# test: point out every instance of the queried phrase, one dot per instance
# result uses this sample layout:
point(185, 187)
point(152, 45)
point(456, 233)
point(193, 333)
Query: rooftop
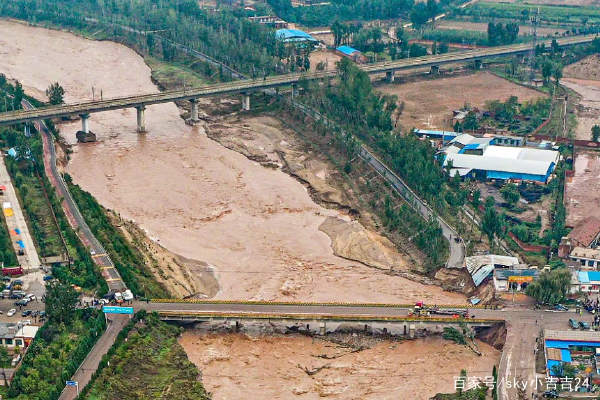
point(347, 50)
point(522, 153)
point(481, 266)
point(501, 164)
point(583, 336)
point(586, 231)
point(27, 331)
point(584, 252)
point(292, 35)
point(504, 274)
point(588, 276)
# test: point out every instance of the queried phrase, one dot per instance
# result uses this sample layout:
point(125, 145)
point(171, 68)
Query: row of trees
point(227, 36)
point(499, 34)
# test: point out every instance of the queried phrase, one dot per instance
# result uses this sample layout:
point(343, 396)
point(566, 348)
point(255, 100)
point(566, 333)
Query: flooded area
point(581, 197)
point(314, 368)
point(584, 79)
point(257, 227)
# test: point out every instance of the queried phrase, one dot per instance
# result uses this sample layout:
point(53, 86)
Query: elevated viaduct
point(84, 109)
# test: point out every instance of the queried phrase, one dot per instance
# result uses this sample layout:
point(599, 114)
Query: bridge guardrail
point(307, 303)
point(351, 317)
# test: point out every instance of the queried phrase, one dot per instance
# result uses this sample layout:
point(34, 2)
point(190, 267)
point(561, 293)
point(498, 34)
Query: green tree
point(61, 300)
point(510, 194)
point(595, 133)
point(557, 73)
point(5, 360)
point(56, 94)
point(547, 69)
point(551, 287)
point(476, 198)
point(18, 94)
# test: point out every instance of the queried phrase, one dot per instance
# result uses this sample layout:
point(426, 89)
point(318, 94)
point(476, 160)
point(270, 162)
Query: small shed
point(355, 55)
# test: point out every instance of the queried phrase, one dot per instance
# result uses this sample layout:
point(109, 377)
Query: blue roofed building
point(585, 281)
point(293, 35)
point(480, 158)
point(352, 53)
point(580, 348)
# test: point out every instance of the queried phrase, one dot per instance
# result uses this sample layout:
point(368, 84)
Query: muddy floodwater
point(239, 366)
point(258, 228)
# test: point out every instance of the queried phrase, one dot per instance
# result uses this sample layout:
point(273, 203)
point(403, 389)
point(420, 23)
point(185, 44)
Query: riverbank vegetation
point(55, 354)
point(127, 259)
point(146, 362)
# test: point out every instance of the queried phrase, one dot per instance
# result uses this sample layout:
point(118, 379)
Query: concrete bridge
point(84, 109)
point(319, 318)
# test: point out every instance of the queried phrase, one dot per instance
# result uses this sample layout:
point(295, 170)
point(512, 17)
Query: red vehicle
point(12, 271)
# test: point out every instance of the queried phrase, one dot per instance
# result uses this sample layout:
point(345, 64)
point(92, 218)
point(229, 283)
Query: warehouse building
point(293, 35)
point(480, 158)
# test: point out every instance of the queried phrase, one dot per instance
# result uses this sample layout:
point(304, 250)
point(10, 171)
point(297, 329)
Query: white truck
point(127, 295)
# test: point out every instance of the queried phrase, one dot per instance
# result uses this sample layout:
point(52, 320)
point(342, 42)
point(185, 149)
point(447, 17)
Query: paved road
point(457, 249)
point(30, 260)
point(91, 362)
point(109, 272)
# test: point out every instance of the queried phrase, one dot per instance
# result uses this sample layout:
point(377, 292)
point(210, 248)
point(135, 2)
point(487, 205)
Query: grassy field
point(39, 212)
point(558, 14)
point(149, 365)
point(170, 75)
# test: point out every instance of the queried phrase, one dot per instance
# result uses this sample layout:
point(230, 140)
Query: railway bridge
point(140, 101)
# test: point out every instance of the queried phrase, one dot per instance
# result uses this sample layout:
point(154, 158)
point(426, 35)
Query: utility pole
point(534, 23)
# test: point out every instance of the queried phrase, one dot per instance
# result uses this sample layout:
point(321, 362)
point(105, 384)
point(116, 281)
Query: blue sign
point(117, 310)
point(71, 383)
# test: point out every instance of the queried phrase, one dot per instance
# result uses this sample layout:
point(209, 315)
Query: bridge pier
point(141, 118)
point(390, 76)
point(246, 101)
point(294, 90)
point(435, 70)
point(477, 64)
point(521, 58)
point(85, 123)
point(194, 113)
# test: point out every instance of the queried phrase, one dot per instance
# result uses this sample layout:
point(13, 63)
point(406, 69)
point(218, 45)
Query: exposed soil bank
point(584, 78)
point(239, 366)
point(258, 227)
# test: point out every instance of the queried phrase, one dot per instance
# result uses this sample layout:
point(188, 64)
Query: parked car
point(42, 314)
point(92, 252)
point(6, 279)
point(22, 302)
point(584, 325)
point(31, 297)
point(560, 307)
point(551, 394)
point(48, 278)
point(103, 302)
point(25, 322)
point(11, 312)
point(573, 324)
point(26, 313)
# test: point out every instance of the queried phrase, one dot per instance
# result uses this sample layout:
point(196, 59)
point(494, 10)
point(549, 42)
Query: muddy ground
point(581, 197)
point(583, 78)
point(242, 366)
point(429, 103)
